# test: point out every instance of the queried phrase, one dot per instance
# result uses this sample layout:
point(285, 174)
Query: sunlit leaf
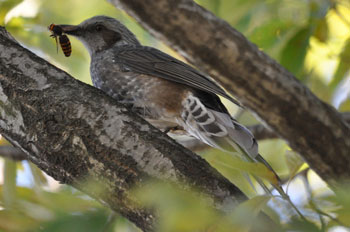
point(246, 213)
point(274, 150)
point(38, 212)
point(343, 66)
point(342, 200)
point(319, 87)
point(5, 7)
point(56, 201)
point(38, 175)
point(343, 217)
point(15, 222)
point(4, 142)
point(257, 169)
point(294, 163)
point(237, 170)
point(238, 178)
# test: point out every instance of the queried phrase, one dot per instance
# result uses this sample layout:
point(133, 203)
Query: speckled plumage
point(156, 100)
point(160, 88)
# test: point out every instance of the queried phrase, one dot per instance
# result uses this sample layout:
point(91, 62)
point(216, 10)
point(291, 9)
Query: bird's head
point(100, 33)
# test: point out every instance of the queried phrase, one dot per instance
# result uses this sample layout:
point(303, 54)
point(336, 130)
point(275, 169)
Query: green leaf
point(9, 187)
point(243, 11)
point(294, 163)
point(213, 6)
point(321, 32)
point(294, 52)
point(319, 87)
point(256, 169)
point(345, 106)
point(245, 213)
point(4, 142)
point(57, 201)
point(15, 222)
point(179, 210)
point(270, 35)
point(301, 225)
point(87, 222)
point(339, 204)
point(215, 158)
point(236, 170)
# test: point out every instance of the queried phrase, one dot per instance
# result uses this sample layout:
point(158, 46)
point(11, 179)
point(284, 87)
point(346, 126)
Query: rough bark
point(260, 132)
point(311, 127)
point(76, 133)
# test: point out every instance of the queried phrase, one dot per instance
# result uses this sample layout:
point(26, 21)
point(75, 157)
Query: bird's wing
point(219, 130)
point(150, 61)
point(215, 128)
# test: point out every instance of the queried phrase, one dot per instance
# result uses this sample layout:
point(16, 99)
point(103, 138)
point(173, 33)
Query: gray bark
point(311, 127)
point(76, 133)
point(260, 133)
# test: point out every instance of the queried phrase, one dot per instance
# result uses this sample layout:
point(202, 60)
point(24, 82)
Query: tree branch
point(311, 127)
point(260, 132)
point(76, 133)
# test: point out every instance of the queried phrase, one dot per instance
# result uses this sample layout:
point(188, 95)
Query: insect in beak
point(63, 39)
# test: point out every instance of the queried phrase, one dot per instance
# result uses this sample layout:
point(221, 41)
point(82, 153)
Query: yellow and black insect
point(62, 38)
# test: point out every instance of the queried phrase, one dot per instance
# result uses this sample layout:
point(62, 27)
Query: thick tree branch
point(76, 133)
point(260, 132)
point(311, 127)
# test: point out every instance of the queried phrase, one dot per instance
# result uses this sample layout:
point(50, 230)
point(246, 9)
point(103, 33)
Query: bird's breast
point(156, 98)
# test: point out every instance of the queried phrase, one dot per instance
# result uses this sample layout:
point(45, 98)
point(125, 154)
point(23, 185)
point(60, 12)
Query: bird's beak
point(71, 30)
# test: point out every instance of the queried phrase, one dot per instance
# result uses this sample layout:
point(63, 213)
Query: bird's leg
point(172, 128)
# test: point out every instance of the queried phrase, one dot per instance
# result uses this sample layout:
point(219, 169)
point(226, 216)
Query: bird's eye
point(98, 28)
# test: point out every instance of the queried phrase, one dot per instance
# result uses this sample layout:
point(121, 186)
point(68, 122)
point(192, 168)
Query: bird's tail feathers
point(221, 131)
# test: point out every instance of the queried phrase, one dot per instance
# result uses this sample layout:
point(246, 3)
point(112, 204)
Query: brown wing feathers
point(147, 60)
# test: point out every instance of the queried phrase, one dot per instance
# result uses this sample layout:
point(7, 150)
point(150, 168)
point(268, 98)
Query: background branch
point(260, 132)
point(311, 127)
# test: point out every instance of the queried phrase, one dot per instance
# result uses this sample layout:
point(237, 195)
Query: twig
point(12, 153)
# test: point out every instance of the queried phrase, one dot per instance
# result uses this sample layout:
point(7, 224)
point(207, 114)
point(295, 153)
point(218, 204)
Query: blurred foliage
point(188, 211)
point(310, 38)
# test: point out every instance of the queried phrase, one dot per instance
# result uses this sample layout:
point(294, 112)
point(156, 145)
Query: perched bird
point(165, 91)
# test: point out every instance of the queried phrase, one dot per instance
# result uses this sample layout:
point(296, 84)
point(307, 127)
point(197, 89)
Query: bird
point(165, 91)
